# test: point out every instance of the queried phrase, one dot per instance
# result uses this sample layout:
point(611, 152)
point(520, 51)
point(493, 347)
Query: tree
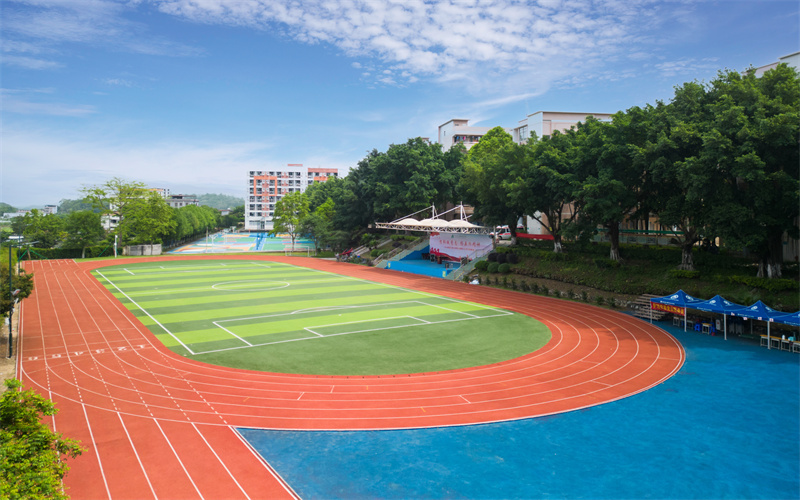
point(289, 213)
point(121, 197)
point(611, 171)
point(752, 138)
point(33, 458)
point(22, 282)
point(83, 229)
point(46, 230)
point(488, 168)
point(546, 185)
point(147, 219)
point(405, 179)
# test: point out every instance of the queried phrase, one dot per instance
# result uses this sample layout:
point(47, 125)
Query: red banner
point(668, 308)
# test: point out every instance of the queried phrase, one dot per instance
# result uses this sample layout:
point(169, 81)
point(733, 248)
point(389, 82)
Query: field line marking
point(238, 337)
point(419, 319)
point(147, 313)
point(129, 271)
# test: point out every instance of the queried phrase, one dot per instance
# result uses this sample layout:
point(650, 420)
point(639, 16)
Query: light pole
point(12, 295)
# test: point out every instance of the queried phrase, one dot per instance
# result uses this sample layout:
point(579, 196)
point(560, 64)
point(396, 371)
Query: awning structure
point(435, 223)
point(676, 303)
point(719, 305)
point(680, 301)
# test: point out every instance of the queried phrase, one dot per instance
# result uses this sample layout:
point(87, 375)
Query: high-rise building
point(266, 187)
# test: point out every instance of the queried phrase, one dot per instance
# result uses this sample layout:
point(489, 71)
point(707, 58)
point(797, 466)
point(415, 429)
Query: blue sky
point(192, 94)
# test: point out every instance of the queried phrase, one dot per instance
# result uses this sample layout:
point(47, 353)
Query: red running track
point(158, 425)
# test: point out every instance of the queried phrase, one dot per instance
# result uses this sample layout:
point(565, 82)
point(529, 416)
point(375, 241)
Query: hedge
point(492, 267)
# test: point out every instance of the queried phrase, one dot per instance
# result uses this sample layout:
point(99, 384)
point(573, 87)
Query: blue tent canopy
point(789, 318)
point(759, 311)
point(679, 298)
point(717, 304)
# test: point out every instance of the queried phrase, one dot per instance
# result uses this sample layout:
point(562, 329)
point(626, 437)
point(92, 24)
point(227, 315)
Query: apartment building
point(182, 200)
point(266, 188)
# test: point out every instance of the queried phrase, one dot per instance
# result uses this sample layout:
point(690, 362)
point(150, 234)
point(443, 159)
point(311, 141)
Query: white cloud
point(448, 39)
point(35, 26)
point(29, 62)
point(13, 104)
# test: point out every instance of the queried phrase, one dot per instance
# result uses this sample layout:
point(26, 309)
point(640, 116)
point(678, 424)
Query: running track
point(158, 425)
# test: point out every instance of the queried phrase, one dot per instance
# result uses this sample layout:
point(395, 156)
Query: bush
point(599, 300)
point(505, 281)
point(492, 257)
point(612, 302)
point(377, 252)
point(501, 258)
point(770, 284)
point(512, 258)
point(534, 288)
point(683, 274)
point(504, 268)
point(606, 263)
point(481, 265)
point(492, 267)
point(584, 296)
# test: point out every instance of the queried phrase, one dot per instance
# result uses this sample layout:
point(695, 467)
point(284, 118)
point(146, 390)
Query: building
point(163, 192)
point(266, 188)
point(182, 200)
point(458, 131)
point(49, 209)
point(792, 60)
point(543, 123)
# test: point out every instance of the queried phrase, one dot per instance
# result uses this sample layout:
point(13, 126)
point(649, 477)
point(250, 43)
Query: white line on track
point(147, 313)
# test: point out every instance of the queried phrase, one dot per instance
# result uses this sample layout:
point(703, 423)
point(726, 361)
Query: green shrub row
point(770, 284)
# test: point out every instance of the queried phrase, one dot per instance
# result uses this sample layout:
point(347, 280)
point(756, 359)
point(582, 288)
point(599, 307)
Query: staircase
point(641, 308)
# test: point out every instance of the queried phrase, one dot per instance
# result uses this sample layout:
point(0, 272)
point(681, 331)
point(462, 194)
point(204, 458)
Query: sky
point(191, 95)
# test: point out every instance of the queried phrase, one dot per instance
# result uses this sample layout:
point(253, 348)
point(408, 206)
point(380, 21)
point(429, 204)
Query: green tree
point(488, 168)
point(289, 213)
point(610, 168)
point(148, 219)
point(121, 197)
point(546, 185)
point(22, 282)
point(6, 208)
point(83, 229)
point(46, 230)
point(752, 138)
point(33, 459)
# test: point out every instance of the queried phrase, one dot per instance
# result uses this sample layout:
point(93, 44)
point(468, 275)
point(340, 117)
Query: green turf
point(268, 316)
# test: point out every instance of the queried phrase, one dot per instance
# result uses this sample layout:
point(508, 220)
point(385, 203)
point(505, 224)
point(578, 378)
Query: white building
point(182, 200)
point(458, 131)
point(792, 60)
point(543, 123)
point(266, 187)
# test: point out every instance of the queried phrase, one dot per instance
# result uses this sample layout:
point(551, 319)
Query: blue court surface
point(726, 426)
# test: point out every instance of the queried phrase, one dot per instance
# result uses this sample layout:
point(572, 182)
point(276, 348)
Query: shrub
point(571, 294)
point(683, 274)
point(501, 258)
point(612, 302)
point(492, 257)
point(377, 252)
point(599, 300)
point(492, 267)
point(505, 281)
point(481, 265)
point(534, 287)
point(524, 286)
point(504, 268)
point(584, 296)
point(770, 284)
point(606, 263)
point(512, 258)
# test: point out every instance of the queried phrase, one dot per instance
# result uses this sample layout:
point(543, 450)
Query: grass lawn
point(269, 316)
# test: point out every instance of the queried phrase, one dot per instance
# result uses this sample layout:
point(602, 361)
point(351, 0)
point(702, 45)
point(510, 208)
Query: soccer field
point(270, 316)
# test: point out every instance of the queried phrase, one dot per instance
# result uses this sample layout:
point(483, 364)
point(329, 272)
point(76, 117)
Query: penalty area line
point(147, 313)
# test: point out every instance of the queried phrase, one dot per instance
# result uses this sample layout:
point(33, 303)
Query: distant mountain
point(219, 201)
